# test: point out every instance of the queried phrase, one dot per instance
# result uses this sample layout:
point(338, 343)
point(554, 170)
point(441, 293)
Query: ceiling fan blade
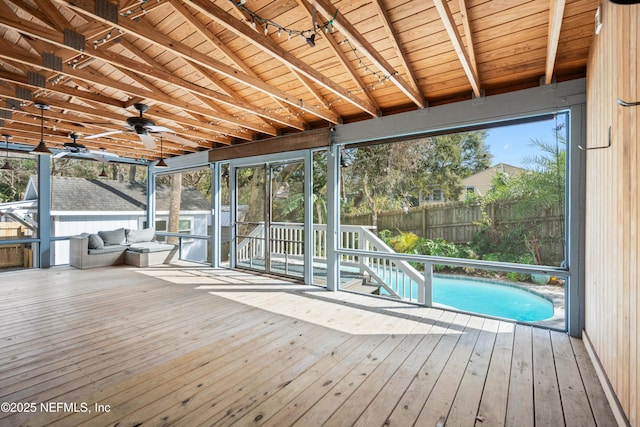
point(178, 139)
point(156, 128)
point(61, 154)
point(148, 141)
point(100, 135)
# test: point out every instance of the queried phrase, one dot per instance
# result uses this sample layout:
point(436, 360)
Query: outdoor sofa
point(121, 246)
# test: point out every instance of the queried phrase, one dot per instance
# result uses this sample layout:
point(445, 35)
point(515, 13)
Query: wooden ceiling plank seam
point(450, 26)
point(468, 35)
point(341, 23)
point(395, 40)
point(556, 12)
point(112, 58)
point(270, 47)
point(147, 33)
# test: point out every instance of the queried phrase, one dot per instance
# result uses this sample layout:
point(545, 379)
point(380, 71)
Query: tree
point(397, 175)
point(173, 226)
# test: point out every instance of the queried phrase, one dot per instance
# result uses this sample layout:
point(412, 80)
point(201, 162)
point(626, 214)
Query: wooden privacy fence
point(458, 222)
point(14, 255)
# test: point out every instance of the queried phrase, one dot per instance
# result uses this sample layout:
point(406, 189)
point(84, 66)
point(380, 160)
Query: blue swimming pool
point(490, 298)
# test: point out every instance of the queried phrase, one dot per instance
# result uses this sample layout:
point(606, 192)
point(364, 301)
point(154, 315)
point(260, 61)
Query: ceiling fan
point(145, 129)
point(75, 148)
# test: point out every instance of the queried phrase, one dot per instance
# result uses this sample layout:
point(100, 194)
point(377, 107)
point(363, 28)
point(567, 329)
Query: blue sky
point(510, 144)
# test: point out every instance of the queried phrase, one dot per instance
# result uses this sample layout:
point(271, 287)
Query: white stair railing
point(398, 278)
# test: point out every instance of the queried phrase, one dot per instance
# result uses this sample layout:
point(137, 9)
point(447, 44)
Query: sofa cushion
point(146, 247)
point(95, 241)
point(144, 235)
point(108, 249)
point(113, 237)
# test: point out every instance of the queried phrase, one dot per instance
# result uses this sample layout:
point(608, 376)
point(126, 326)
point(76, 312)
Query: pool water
point(491, 298)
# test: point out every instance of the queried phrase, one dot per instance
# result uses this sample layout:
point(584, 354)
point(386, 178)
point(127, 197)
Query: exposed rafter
point(136, 66)
point(367, 50)
point(393, 38)
point(272, 48)
point(217, 43)
point(339, 54)
point(7, 52)
point(556, 12)
point(456, 40)
point(468, 35)
point(144, 31)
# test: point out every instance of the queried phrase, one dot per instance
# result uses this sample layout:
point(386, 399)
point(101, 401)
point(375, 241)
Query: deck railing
point(398, 278)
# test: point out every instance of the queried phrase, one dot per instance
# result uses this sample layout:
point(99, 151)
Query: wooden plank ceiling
point(223, 72)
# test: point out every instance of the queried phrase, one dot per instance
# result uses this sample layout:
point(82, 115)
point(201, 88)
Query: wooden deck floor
point(196, 346)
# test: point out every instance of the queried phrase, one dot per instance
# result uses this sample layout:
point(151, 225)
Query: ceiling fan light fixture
point(41, 148)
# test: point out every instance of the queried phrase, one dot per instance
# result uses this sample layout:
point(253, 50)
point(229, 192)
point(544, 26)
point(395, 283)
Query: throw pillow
point(113, 237)
point(95, 241)
point(144, 235)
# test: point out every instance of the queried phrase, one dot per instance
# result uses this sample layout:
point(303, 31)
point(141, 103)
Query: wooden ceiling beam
point(306, 82)
point(7, 53)
point(214, 41)
point(344, 61)
point(556, 12)
point(146, 32)
point(112, 58)
point(468, 35)
point(152, 62)
point(450, 26)
point(363, 46)
point(39, 13)
point(68, 115)
point(267, 45)
point(395, 41)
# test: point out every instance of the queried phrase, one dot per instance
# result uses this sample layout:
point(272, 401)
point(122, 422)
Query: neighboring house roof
point(83, 194)
point(481, 182)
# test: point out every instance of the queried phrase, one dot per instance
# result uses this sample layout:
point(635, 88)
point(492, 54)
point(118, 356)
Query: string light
point(136, 9)
point(306, 34)
point(106, 38)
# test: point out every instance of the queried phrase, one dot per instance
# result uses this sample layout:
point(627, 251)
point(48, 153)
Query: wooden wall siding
point(612, 209)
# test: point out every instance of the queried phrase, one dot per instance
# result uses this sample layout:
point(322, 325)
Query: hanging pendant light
point(103, 174)
point(41, 149)
point(161, 163)
point(6, 166)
